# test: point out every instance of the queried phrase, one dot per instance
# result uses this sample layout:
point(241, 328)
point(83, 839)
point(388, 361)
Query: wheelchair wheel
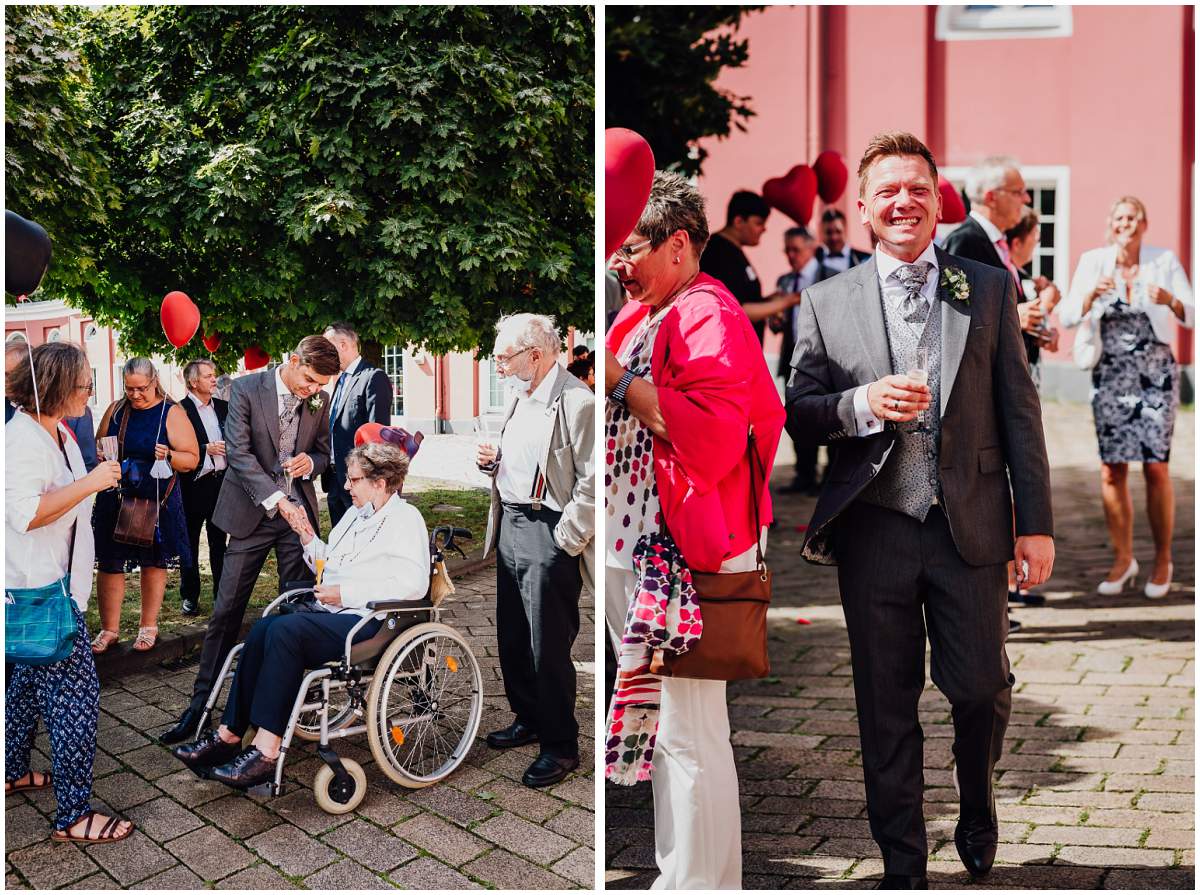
point(335, 799)
point(341, 713)
point(424, 705)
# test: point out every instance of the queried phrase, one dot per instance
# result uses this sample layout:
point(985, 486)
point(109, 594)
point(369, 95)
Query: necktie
point(289, 424)
point(1002, 249)
point(912, 277)
point(333, 410)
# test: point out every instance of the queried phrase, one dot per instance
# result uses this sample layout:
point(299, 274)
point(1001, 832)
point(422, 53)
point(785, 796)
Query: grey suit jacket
point(993, 451)
point(252, 453)
point(569, 465)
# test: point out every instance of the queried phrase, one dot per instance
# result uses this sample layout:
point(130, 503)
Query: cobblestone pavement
point(480, 828)
point(1096, 789)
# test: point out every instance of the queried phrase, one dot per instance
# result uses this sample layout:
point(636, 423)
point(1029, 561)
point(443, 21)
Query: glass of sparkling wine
point(110, 446)
point(320, 564)
point(486, 432)
point(287, 479)
point(919, 373)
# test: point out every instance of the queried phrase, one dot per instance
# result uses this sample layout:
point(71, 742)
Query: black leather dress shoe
point(184, 729)
point(249, 769)
point(207, 752)
point(547, 770)
point(516, 734)
point(976, 844)
point(897, 881)
point(190, 607)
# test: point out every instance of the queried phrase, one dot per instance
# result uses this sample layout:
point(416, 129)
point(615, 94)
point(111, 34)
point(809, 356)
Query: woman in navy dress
point(158, 429)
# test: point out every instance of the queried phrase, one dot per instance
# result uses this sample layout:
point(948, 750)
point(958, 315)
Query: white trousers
point(697, 815)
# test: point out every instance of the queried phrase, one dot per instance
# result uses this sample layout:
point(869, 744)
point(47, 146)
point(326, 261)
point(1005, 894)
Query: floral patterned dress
point(1135, 388)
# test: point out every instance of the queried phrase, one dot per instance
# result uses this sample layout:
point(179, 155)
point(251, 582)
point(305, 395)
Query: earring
point(676, 259)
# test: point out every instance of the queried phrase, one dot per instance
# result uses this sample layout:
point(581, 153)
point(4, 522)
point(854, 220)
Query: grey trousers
point(537, 620)
point(897, 575)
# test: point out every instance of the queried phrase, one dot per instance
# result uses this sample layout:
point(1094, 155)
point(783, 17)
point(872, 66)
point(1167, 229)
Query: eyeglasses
point(626, 253)
point(90, 388)
point(505, 359)
point(137, 389)
point(1024, 191)
point(355, 479)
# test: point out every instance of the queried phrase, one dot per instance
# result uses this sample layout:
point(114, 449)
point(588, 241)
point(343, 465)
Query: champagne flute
point(110, 446)
point(287, 477)
point(484, 435)
point(320, 564)
point(918, 372)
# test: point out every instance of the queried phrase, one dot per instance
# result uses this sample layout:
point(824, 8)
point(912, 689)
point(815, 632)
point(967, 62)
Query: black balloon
point(26, 254)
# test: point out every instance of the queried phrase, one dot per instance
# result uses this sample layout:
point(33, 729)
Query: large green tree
point(660, 66)
point(416, 170)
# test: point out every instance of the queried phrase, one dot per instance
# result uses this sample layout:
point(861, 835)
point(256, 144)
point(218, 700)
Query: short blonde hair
point(890, 144)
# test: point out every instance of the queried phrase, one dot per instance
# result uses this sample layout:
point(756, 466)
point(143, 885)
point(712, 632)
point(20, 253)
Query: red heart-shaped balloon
point(180, 318)
point(793, 194)
point(255, 358)
point(953, 210)
point(832, 175)
point(212, 342)
point(368, 433)
point(628, 175)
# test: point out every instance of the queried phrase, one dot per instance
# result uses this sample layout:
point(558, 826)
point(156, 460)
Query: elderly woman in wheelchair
point(377, 560)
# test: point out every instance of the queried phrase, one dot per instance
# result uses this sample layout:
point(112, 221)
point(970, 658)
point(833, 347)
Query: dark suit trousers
point(898, 575)
point(244, 560)
point(199, 500)
point(537, 620)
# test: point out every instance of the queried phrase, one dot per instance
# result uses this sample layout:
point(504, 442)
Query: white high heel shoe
point(1158, 591)
point(1112, 588)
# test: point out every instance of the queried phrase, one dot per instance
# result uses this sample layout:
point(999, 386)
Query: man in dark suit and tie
point(278, 421)
point(363, 394)
point(834, 252)
point(206, 413)
point(917, 508)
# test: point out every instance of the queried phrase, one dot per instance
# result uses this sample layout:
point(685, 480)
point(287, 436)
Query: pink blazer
point(713, 384)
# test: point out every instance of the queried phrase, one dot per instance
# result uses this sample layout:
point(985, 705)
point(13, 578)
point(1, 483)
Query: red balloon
point(832, 175)
point(255, 358)
point(628, 174)
point(180, 318)
point(953, 210)
point(793, 194)
point(368, 433)
point(212, 342)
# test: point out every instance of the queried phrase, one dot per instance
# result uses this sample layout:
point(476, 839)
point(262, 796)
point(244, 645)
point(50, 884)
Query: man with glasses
point(207, 414)
point(277, 440)
point(541, 525)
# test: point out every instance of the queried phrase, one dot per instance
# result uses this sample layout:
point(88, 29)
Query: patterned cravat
point(1006, 257)
point(912, 277)
point(289, 423)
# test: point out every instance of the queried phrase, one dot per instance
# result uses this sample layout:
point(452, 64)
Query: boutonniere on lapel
point(314, 403)
point(954, 281)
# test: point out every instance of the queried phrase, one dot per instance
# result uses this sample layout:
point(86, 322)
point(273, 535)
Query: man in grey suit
point(541, 525)
point(363, 394)
point(917, 506)
point(277, 423)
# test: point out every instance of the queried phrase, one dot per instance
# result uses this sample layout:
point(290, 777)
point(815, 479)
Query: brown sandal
point(17, 786)
point(107, 832)
point(146, 639)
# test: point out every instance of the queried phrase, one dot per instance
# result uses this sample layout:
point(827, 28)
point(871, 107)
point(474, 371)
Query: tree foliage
point(660, 65)
point(416, 170)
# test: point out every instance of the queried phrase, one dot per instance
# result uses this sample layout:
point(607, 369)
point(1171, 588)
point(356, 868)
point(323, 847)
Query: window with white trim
point(95, 386)
point(15, 337)
point(995, 22)
point(393, 365)
point(495, 387)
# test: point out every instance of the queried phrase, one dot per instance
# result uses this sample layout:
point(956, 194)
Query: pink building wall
point(1114, 103)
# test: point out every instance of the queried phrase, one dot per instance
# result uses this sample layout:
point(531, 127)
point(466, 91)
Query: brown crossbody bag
point(136, 516)
point(733, 608)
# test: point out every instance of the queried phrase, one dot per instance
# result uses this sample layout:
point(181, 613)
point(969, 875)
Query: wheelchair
point(414, 688)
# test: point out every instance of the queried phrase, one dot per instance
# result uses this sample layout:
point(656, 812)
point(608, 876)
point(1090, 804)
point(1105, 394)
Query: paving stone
point(1151, 878)
point(345, 875)
point(575, 824)
point(189, 790)
point(52, 865)
point(576, 789)
point(523, 838)
point(210, 853)
point(260, 876)
point(92, 883)
point(426, 874)
point(23, 826)
point(163, 819)
point(132, 859)
point(384, 806)
point(178, 878)
point(505, 871)
point(291, 850)
point(1106, 836)
point(532, 804)
point(579, 866)
point(452, 804)
point(300, 808)
point(151, 761)
point(441, 839)
point(1116, 857)
point(124, 790)
point(372, 847)
point(238, 816)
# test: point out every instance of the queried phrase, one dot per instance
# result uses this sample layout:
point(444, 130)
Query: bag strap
point(752, 454)
point(71, 547)
point(123, 409)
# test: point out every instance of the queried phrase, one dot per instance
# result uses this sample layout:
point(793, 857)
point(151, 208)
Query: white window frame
point(1003, 22)
point(397, 356)
point(487, 369)
point(1057, 177)
point(16, 336)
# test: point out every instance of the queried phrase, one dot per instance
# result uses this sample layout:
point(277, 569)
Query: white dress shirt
point(802, 280)
point(35, 467)
point(893, 294)
point(523, 445)
point(282, 391)
point(992, 231)
point(212, 428)
point(343, 378)
point(375, 555)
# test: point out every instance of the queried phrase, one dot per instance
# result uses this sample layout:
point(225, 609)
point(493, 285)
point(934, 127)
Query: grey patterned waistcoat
point(909, 479)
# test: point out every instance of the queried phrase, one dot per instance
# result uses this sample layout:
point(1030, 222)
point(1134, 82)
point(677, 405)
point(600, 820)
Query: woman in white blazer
point(1131, 296)
point(378, 551)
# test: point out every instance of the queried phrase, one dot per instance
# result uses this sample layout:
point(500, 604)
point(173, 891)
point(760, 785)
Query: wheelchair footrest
point(266, 789)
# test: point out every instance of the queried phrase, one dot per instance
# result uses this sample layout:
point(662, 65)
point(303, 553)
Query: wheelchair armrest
point(287, 596)
point(422, 605)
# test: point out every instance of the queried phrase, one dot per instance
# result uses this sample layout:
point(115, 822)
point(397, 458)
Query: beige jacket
point(570, 468)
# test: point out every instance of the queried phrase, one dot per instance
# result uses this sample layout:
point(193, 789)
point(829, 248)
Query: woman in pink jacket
point(685, 380)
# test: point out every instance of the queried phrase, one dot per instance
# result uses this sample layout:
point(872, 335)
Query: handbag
point(1088, 344)
point(733, 609)
point(137, 516)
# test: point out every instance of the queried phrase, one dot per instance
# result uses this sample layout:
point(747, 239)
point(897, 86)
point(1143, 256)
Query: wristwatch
point(618, 393)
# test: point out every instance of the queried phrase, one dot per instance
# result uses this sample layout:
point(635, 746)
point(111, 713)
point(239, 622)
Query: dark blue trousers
point(67, 696)
point(278, 651)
